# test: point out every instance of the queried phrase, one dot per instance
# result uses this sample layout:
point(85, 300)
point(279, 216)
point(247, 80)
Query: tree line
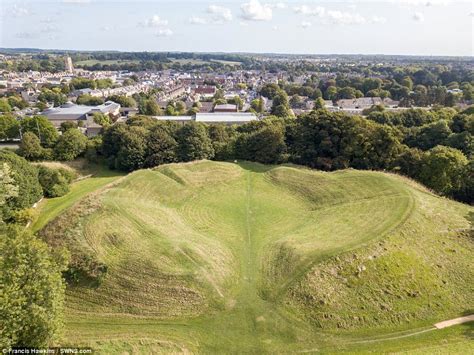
point(437, 150)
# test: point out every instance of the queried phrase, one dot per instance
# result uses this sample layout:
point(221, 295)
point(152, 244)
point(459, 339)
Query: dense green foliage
point(70, 145)
point(194, 142)
point(54, 182)
point(408, 143)
point(9, 127)
point(43, 129)
point(89, 100)
point(25, 177)
point(31, 293)
point(31, 149)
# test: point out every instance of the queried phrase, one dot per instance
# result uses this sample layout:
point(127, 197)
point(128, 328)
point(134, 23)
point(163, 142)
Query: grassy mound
point(209, 256)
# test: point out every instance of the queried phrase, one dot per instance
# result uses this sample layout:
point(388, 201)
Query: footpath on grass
point(387, 337)
point(455, 321)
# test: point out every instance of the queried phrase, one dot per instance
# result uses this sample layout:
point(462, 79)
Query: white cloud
point(275, 28)
point(279, 5)
point(195, 20)
point(26, 35)
point(255, 11)
point(243, 23)
point(155, 21)
point(49, 28)
point(418, 17)
point(19, 11)
point(471, 14)
point(378, 19)
point(426, 3)
point(306, 24)
point(164, 32)
point(77, 1)
point(345, 18)
point(220, 14)
point(310, 11)
point(337, 17)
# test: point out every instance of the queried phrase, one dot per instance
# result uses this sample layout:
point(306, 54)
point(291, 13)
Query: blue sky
point(418, 27)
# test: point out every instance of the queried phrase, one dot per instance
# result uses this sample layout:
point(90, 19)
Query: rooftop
point(229, 117)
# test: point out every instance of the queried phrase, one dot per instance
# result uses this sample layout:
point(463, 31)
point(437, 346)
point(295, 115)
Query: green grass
point(226, 62)
point(50, 208)
point(244, 258)
point(185, 61)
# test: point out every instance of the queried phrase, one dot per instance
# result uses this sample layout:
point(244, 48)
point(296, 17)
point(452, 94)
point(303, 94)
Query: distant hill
point(219, 257)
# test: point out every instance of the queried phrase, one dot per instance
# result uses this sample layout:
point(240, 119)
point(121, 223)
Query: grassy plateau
point(212, 257)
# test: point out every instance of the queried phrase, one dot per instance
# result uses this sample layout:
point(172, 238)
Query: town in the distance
point(235, 203)
point(72, 88)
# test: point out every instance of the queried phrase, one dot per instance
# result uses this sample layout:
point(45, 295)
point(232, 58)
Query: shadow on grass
point(254, 167)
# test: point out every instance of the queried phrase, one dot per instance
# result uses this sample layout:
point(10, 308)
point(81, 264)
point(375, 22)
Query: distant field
point(227, 62)
point(189, 61)
point(104, 62)
point(216, 257)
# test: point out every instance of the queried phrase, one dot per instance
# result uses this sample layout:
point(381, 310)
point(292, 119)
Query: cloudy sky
point(421, 27)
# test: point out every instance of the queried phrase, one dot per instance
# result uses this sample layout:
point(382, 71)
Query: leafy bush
point(54, 182)
point(25, 177)
point(70, 145)
point(32, 297)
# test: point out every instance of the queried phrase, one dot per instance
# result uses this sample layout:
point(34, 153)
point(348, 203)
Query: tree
point(54, 96)
point(170, 109)
point(319, 104)
point(348, 93)
point(5, 105)
point(101, 119)
point(371, 84)
point(331, 93)
point(257, 105)
point(31, 149)
point(282, 111)
point(124, 101)
point(180, 107)
point(194, 142)
point(132, 152)
point(32, 295)
point(236, 100)
point(25, 176)
point(265, 145)
point(463, 141)
point(442, 169)
point(54, 182)
point(8, 188)
point(407, 82)
point(82, 83)
point(113, 140)
point(430, 135)
point(270, 90)
point(409, 162)
point(281, 105)
point(9, 127)
point(151, 108)
point(67, 125)
point(89, 100)
point(161, 147)
point(70, 145)
point(222, 138)
point(296, 101)
point(43, 129)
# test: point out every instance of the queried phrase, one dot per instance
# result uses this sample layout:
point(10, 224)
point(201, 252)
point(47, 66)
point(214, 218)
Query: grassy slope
point(50, 208)
point(220, 257)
